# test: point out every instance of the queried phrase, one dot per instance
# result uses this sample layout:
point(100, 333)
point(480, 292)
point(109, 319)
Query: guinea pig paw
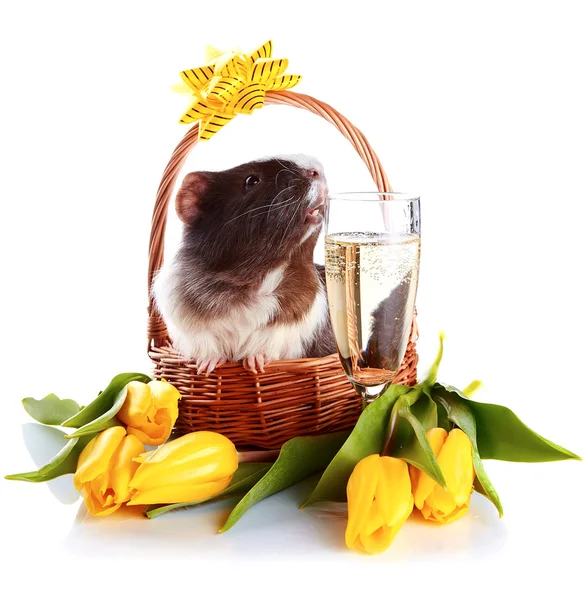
point(255, 363)
point(208, 366)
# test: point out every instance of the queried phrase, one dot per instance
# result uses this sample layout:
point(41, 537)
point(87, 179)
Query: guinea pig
point(243, 285)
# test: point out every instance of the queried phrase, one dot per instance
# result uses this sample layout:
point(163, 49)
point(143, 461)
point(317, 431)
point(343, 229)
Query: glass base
point(370, 392)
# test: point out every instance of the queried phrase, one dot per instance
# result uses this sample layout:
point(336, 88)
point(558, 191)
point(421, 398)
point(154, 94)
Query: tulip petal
point(166, 396)
point(94, 505)
point(95, 457)
point(393, 491)
point(186, 446)
point(382, 538)
point(360, 491)
point(375, 519)
point(455, 461)
point(150, 411)
point(431, 512)
point(441, 503)
point(151, 434)
point(379, 541)
point(104, 471)
point(179, 493)
point(425, 484)
point(123, 467)
point(459, 512)
point(144, 456)
point(211, 466)
point(414, 475)
point(100, 484)
point(186, 463)
point(138, 405)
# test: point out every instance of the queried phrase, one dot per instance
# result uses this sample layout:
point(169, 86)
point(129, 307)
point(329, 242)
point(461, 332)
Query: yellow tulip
point(104, 469)
point(454, 456)
point(193, 467)
point(379, 502)
point(150, 411)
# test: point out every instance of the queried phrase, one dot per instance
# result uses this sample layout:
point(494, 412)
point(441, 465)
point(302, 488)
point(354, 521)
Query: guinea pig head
point(267, 206)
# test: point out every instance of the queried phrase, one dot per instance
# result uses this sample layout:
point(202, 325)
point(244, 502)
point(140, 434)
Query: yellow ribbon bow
point(233, 83)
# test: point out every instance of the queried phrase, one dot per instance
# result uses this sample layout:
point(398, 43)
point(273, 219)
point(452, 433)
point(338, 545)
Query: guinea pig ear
point(187, 201)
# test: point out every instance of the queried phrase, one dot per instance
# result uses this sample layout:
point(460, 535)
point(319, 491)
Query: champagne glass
point(372, 269)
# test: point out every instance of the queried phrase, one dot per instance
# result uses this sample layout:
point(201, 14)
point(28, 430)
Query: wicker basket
point(292, 397)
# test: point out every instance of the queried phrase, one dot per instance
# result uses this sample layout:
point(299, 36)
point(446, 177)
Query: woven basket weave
point(293, 397)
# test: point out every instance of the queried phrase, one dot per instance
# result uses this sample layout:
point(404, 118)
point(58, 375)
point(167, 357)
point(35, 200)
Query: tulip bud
point(379, 502)
point(150, 411)
point(454, 456)
point(104, 469)
point(193, 467)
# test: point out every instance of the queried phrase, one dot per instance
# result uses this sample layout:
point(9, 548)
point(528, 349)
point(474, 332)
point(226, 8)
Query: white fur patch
point(303, 161)
point(310, 231)
point(244, 330)
point(271, 281)
point(279, 342)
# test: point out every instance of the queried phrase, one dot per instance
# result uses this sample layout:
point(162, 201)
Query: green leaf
point(245, 477)
point(425, 410)
point(461, 414)
point(51, 410)
point(105, 400)
point(410, 442)
point(489, 493)
point(442, 418)
point(65, 461)
point(299, 458)
point(108, 419)
point(483, 483)
point(367, 437)
point(501, 435)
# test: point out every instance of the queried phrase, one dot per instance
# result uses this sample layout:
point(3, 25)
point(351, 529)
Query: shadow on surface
point(43, 443)
point(275, 529)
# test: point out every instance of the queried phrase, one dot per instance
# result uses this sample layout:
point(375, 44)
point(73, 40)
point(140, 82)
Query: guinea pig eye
point(250, 181)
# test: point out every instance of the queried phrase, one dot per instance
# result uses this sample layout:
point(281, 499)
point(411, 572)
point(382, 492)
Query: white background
point(478, 107)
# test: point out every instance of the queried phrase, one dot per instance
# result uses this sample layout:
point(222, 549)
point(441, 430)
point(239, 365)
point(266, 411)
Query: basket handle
point(156, 330)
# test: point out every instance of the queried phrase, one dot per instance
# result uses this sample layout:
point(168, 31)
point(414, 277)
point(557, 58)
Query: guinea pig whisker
point(293, 216)
point(267, 212)
point(253, 210)
point(283, 169)
point(280, 203)
point(281, 206)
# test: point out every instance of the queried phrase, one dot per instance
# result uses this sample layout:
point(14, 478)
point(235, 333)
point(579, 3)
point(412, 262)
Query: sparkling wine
point(372, 283)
